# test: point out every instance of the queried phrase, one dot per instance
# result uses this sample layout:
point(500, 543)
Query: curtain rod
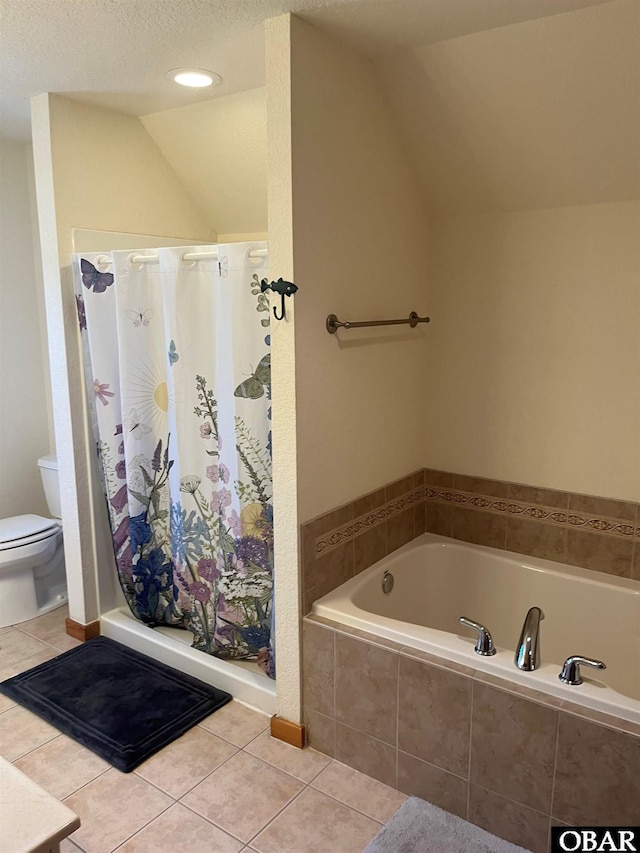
point(105, 260)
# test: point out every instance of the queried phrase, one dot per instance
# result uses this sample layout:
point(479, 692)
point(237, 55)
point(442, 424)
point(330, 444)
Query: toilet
point(32, 572)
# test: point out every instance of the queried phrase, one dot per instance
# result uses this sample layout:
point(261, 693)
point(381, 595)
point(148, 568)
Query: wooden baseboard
point(289, 732)
point(80, 631)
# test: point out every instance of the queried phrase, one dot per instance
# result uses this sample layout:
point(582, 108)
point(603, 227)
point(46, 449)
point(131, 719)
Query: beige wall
point(94, 169)
point(359, 252)
point(533, 115)
point(111, 176)
point(283, 368)
point(534, 352)
point(24, 423)
point(218, 149)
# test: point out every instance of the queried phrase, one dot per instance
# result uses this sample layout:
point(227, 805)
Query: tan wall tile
point(419, 519)
point(597, 778)
point(366, 683)
point(536, 539)
point(420, 779)
point(369, 547)
point(318, 678)
point(436, 660)
point(334, 518)
point(519, 689)
point(399, 529)
point(513, 745)
point(594, 506)
point(349, 630)
point(482, 528)
point(434, 714)
point(439, 518)
point(599, 552)
point(398, 487)
point(308, 597)
point(308, 557)
point(366, 754)
point(334, 568)
point(419, 478)
point(444, 479)
point(495, 488)
point(534, 495)
point(509, 820)
point(615, 723)
point(369, 503)
point(320, 731)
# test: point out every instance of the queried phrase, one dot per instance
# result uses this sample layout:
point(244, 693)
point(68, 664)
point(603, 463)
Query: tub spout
point(527, 655)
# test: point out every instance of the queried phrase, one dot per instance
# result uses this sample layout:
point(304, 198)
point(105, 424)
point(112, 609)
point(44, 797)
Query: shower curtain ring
point(284, 288)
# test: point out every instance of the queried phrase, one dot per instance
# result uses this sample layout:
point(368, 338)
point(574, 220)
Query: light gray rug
point(419, 827)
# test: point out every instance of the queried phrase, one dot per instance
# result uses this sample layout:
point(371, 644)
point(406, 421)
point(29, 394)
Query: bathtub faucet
point(527, 655)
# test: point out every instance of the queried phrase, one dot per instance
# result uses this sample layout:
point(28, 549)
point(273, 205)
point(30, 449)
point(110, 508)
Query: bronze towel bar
point(333, 324)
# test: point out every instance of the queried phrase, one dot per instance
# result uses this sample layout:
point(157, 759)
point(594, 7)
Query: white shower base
point(245, 681)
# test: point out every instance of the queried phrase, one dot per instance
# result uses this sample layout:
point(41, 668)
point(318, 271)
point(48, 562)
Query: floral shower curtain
point(178, 367)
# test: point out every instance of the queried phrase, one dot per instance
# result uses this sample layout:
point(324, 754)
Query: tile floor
point(223, 787)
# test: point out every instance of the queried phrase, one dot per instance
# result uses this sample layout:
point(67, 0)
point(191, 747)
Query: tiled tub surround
point(340, 544)
point(591, 532)
point(501, 755)
point(437, 580)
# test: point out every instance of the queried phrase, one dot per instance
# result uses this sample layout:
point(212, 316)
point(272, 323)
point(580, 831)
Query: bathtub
point(438, 580)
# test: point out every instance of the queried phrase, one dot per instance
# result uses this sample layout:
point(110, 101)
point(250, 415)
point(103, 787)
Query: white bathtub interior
point(437, 580)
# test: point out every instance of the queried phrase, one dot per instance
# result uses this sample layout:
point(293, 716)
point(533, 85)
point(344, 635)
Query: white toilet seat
point(22, 530)
point(28, 539)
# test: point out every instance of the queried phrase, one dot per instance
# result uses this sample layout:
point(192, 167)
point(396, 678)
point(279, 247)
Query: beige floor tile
point(179, 829)
point(243, 795)
point(236, 723)
point(184, 763)
point(62, 766)
point(6, 703)
point(45, 654)
point(22, 666)
point(354, 789)
point(15, 646)
point(49, 624)
point(21, 732)
point(67, 846)
point(50, 628)
point(304, 764)
point(112, 808)
point(313, 823)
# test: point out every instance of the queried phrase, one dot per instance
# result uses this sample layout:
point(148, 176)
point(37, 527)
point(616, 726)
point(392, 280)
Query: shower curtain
point(178, 370)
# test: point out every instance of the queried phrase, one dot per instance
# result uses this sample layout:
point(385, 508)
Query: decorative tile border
point(610, 526)
point(339, 535)
point(619, 528)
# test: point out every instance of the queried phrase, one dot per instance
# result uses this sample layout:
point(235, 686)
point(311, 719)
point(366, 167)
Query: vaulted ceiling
point(500, 104)
point(116, 52)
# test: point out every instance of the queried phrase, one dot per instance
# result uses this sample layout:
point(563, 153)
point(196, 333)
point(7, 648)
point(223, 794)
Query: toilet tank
point(49, 472)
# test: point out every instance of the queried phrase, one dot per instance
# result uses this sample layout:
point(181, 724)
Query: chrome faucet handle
point(484, 646)
point(571, 668)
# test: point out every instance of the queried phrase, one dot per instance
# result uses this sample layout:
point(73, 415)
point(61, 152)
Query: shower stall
point(177, 366)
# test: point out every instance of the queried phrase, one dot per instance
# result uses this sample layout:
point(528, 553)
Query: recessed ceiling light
point(197, 78)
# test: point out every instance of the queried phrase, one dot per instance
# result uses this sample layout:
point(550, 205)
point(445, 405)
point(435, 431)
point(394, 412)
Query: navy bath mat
point(120, 704)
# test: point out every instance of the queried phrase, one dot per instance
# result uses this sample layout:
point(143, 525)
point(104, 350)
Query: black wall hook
point(284, 288)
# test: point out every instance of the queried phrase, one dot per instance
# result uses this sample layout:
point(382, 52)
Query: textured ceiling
point(116, 52)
